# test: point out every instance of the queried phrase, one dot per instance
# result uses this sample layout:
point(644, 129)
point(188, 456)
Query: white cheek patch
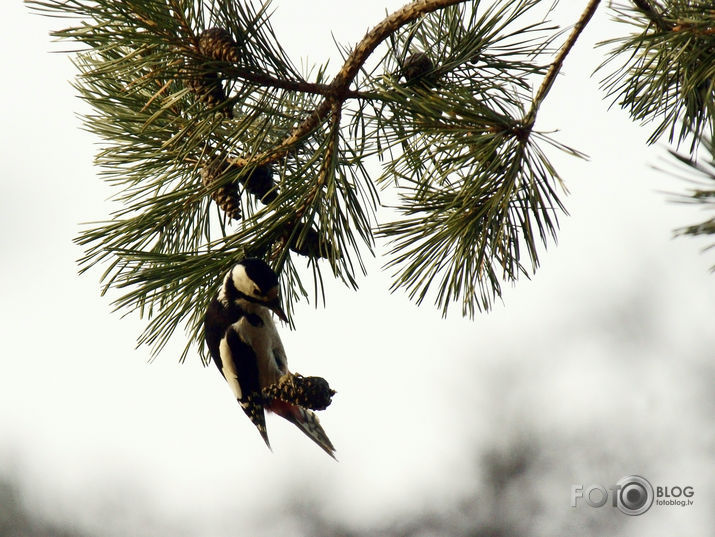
point(241, 280)
point(222, 292)
point(227, 367)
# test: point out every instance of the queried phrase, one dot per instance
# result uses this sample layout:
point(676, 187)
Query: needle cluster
point(665, 72)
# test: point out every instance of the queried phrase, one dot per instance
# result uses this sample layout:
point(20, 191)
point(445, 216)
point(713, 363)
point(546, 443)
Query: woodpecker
point(245, 346)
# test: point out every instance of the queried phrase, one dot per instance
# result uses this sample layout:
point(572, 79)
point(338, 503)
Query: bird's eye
point(257, 292)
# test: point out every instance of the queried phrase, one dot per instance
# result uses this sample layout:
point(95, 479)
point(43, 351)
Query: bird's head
point(256, 282)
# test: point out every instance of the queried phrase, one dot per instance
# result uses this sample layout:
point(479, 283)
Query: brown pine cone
point(209, 89)
point(218, 44)
point(308, 392)
point(416, 67)
point(226, 196)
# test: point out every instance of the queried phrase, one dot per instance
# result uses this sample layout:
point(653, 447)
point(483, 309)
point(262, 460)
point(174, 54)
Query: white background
point(598, 367)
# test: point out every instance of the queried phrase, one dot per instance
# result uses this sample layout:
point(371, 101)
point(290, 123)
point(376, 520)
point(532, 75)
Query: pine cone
point(313, 245)
point(260, 184)
point(416, 66)
point(226, 196)
point(209, 89)
point(308, 392)
point(218, 44)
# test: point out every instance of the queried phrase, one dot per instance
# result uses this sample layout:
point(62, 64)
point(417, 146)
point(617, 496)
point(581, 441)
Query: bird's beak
point(275, 307)
point(274, 304)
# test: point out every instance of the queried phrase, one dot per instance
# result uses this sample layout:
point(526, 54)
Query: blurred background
point(598, 367)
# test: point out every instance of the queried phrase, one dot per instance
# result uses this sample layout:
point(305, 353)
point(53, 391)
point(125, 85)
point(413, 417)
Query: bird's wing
point(216, 321)
point(239, 367)
point(234, 358)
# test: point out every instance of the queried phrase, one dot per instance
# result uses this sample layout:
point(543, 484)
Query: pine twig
point(300, 86)
point(555, 67)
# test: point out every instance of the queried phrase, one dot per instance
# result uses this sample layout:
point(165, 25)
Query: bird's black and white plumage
point(245, 346)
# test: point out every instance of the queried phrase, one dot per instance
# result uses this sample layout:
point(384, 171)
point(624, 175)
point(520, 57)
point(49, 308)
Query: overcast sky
point(598, 367)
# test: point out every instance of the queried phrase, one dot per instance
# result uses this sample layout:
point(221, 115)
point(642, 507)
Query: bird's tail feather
point(307, 422)
point(257, 416)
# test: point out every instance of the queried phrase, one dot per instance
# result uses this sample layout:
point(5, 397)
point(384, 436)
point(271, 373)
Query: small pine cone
point(218, 44)
point(416, 66)
point(313, 245)
point(260, 184)
point(315, 392)
point(308, 392)
point(209, 89)
point(226, 196)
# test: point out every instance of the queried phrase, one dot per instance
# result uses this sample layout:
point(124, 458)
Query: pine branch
point(197, 100)
point(558, 62)
point(479, 192)
point(300, 86)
